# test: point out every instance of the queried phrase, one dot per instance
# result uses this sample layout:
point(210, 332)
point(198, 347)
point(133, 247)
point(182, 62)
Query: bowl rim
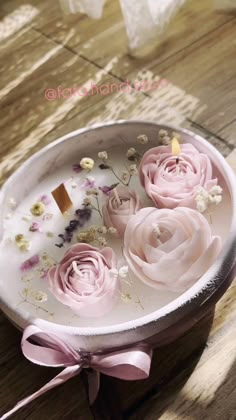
point(191, 295)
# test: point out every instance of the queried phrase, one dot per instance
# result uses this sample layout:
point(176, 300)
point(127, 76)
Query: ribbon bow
point(130, 363)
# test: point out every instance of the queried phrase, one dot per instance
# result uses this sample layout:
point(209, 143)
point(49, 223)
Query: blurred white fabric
point(144, 19)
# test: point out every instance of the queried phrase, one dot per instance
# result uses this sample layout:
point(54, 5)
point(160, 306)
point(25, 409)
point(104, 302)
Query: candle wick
point(75, 268)
point(177, 160)
point(117, 196)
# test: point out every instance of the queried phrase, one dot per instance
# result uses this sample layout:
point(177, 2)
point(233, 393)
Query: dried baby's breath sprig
point(176, 135)
point(103, 155)
point(131, 152)
point(204, 198)
point(112, 231)
point(166, 141)
point(126, 297)
point(87, 201)
point(125, 176)
point(38, 295)
point(92, 191)
point(38, 209)
point(102, 230)
point(87, 163)
point(162, 133)
point(142, 139)
point(133, 155)
point(102, 241)
point(133, 170)
point(164, 137)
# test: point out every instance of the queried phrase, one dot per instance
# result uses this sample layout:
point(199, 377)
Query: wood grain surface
point(41, 49)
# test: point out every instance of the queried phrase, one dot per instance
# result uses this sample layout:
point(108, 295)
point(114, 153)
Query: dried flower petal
point(106, 190)
point(30, 263)
point(77, 168)
point(35, 227)
point(45, 199)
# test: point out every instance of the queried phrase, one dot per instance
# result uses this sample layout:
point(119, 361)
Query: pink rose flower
point(170, 249)
point(170, 184)
point(83, 282)
point(116, 213)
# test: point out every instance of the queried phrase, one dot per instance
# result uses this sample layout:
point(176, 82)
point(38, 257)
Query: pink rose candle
point(119, 208)
point(170, 249)
point(83, 282)
point(171, 182)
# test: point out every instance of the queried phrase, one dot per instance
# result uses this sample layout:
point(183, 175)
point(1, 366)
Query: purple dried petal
point(35, 227)
point(30, 263)
point(45, 199)
point(89, 183)
point(108, 189)
point(77, 168)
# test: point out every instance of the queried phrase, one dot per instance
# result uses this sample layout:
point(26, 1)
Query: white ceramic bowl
point(171, 319)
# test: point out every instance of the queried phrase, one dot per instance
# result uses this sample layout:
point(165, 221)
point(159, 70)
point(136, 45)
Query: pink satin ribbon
point(130, 363)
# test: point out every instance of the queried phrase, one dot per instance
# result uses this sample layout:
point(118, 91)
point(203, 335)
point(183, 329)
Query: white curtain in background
point(144, 19)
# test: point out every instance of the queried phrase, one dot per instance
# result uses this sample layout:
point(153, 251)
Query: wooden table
point(39, 49)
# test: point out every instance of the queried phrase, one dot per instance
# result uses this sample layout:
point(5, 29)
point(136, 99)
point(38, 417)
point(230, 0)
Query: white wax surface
point(11, 258)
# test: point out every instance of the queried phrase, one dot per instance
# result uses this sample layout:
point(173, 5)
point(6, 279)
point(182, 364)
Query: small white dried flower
point(93, 229)
point(126, 297)
point(92, 191)
point(102, 230)
point(133, 170)
point(165, 140)
point(123, 271)
point(27, 278)
point(87, 201)
point(12, 203)
point(103, 155)
point(38, 295)
point(216, 190)
point(142, 139)
point(87, 163)
point(131, 152)
point(162, 133)
point(216, 199)
point(112, 230)
point(102, 241)
point(201, 205)
point(125, 176)
point(114, 272)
